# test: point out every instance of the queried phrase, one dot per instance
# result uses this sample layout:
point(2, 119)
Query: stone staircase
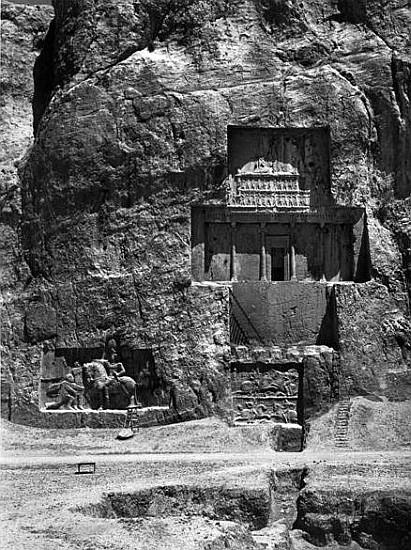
point(341, 423)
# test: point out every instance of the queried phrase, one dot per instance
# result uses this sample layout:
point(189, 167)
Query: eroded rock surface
point(22, 33)
point(373, 512)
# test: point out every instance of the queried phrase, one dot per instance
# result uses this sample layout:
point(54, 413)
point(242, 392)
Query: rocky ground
point(197, 485)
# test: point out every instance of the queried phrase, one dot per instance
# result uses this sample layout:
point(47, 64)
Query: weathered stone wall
point(373, 356)
point(282, 313)
point(186, 328)
point(132, 104)
point(22, 35)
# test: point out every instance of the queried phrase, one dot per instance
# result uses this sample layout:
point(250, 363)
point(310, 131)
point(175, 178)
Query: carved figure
point(115, 370)
point(269, 384)
point(285, 412)
point(252, 412)
point(67, 392)
point(247, 413)
point(264, 166)
point(106, 387)
point(95, 380)
point(112, 351)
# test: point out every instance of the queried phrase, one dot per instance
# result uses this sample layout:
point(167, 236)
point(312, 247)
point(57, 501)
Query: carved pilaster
point(233, 226)
point(263, 255)
point(293, 264)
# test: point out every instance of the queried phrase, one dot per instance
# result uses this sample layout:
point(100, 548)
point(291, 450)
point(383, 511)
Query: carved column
point(233, 252)
point(263, 257)
point(322, 250)
point(293, 265)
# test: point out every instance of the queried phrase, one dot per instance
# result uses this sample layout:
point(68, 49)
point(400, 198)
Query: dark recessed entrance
point(278, 258)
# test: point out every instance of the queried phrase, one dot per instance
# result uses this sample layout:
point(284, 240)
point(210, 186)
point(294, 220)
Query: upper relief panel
point(279, 167)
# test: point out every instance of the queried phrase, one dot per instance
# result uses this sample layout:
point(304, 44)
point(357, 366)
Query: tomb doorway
point(278, 258)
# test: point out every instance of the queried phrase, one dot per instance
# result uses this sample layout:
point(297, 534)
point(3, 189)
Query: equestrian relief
point(94, 384)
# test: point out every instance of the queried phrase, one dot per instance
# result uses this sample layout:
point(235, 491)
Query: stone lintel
point(229, 214)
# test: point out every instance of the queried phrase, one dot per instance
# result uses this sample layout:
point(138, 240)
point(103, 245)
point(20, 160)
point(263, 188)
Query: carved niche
point(277, 168)
point(139, 365)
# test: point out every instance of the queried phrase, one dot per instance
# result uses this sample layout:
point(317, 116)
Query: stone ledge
point(150, 416)
point(278, 354)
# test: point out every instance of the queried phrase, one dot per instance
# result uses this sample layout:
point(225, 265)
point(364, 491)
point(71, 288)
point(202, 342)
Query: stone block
point(287, 312)
point(286, 437)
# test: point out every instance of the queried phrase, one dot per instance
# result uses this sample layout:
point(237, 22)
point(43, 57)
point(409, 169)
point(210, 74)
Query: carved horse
point(105, 392)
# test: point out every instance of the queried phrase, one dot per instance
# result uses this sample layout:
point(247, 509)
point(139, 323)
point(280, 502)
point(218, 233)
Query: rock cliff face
point(22, 33)
point(131, 106)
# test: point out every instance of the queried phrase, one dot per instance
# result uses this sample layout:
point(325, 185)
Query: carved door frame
point(278, 242)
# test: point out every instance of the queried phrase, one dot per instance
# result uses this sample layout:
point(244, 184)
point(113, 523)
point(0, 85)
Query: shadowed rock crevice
point(43, 74)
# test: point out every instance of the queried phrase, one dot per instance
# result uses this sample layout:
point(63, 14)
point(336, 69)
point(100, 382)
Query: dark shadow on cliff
point(43, 74)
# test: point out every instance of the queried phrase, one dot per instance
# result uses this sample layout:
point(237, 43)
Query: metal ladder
point(130, 423)
point(132, 418)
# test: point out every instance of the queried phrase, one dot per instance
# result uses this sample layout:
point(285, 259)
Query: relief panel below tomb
point(264, 394)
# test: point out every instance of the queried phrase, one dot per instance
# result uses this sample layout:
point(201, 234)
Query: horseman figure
point(105, 382)
point(95, 378)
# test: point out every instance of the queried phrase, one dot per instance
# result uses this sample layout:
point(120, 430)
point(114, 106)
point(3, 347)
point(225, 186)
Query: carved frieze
point(267, 190)
point(238, 214)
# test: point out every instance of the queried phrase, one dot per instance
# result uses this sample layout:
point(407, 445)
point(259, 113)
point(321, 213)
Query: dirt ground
point(46, 505)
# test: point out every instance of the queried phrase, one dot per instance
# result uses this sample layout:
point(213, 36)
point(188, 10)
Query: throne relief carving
point(267, 182)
